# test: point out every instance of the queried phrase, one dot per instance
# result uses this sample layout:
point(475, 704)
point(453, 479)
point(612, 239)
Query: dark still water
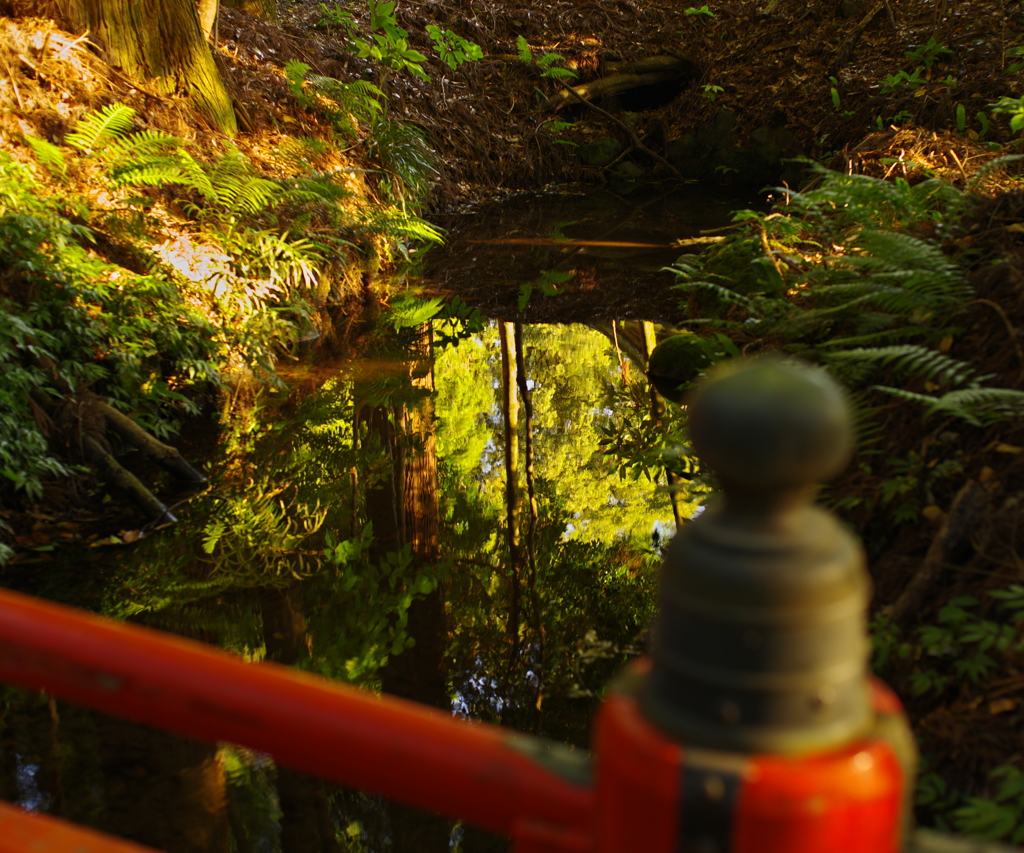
point(363, 529)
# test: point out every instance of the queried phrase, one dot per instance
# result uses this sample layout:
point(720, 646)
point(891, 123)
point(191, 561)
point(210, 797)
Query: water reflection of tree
point(361, 532)
point(579, 597)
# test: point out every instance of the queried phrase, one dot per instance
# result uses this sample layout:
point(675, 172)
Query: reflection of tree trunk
point(510, 410)
point(419, 672)
point(658, 415)
point(382, 497)
point(306, 826)
point(536, 622)
point(162, 790)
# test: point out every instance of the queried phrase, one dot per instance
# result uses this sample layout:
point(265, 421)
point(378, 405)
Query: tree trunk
point(419, 673)
point(536, 621)
point(160, 42)
point(162, 790)
point(657, 416)
point(510, 409)
point(303, 799)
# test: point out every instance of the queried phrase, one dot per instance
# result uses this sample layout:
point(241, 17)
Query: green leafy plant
point(547, 283)
point(710, 92)
point(1016, 67)
point(901, 79)
point(456, 322)
point(346, 105)
point(999, 817)
point(452, 48)
point(557, 126)
point(877, 298)
point(545, 62)
point(983, 121)
point(1014, 108)
point(388, 44)
point(834, 92)
point(929, 53)
point(703, 11)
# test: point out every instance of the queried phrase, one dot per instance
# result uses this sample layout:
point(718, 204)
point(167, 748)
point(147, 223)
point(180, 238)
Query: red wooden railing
point(491, 777)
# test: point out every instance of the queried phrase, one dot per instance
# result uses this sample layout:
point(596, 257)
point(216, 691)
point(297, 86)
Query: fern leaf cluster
point(910, 360)
point(868, 289)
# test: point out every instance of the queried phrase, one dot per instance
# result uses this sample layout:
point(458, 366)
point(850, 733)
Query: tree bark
point(614, 84)
point(536, 620)
point(167, 457)
point(303, 798)
point(657, 416)
point(161, 41)
point(510, 410)
point(419, 673)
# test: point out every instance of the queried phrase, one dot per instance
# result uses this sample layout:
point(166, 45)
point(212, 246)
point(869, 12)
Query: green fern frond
point(884, 336)
point(730, 297)
point(409, 311)
point(402, 151)
point(233, 184)
point(295, 73)
point(141, 145)
point(395, 224)
point(993, 165)
point(524, 51)
point(50, 156)
point(100, 128)
point(318, 188)
point(923, 266)
point(346, 104)
point(359, 97)
point(148, 175)
point(247, 195)
point(911, 360)
point(982, 405)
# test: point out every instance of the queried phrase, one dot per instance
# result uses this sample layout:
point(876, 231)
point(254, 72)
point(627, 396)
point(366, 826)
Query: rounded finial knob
point(770, 424)
point(761, 642)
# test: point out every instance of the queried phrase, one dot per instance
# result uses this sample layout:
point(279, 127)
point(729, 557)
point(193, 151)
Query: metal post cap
point(761, 639)
point(770, 423)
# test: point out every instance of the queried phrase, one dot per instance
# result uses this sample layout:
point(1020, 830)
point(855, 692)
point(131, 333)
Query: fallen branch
point(127, 482)
point(605, 87)
point(167, 457)
point(967, 509)
point(846, 48)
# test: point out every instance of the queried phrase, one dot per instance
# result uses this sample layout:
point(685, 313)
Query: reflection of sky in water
point(29, 795)
point(483, 684)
